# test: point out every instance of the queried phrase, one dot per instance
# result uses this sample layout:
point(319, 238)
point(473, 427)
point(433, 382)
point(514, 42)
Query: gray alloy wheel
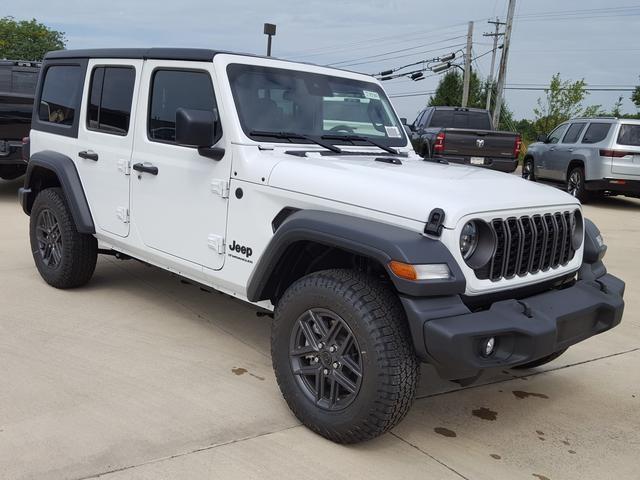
point(527, 170)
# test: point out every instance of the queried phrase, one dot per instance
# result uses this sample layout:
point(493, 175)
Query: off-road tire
point(540, 361)
point(576, 186)
point(390, 369)
point(79, 251)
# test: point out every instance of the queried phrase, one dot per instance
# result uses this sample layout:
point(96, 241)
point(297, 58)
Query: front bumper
point(448, 335)
point(501, 164)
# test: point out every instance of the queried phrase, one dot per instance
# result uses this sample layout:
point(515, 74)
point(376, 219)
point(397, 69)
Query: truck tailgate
point(478, 143)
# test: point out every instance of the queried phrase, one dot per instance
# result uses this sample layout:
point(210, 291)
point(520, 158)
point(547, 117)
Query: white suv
point(294, 187)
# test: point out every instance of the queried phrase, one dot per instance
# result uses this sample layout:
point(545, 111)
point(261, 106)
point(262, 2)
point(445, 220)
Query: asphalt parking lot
point(140, 375)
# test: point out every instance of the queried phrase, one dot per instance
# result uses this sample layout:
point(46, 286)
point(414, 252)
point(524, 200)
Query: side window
point(556, 135)
point(573, 133)
point(60, 94)
point(110, 98)
point(173, 89)
point(596, 132)
point(419, 119)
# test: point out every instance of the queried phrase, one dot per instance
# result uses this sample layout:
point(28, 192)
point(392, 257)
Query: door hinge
point(123, 214)
point(220, 187)
point(216, 242)
point(124, 166)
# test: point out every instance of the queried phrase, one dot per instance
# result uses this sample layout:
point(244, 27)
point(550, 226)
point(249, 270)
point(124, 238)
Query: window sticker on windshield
point(371, 95)
point(392, 132)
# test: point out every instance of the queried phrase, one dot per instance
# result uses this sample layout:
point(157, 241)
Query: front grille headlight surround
point(577, 229)
point(477, 243)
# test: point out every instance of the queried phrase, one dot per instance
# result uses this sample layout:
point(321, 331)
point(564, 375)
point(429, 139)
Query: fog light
point(488, 346)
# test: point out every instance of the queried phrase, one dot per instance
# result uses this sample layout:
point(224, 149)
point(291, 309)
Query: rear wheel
point(64, 257)
point(342, 355)
point(575, 184)
point(527, 170)
point(540, 361)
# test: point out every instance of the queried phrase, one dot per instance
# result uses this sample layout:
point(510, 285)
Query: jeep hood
point(413, 189)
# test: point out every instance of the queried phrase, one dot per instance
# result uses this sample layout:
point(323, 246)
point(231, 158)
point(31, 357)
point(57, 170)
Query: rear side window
point(573, 133)
point(60, 94)
point(596, 132)
point(110, 98)
point(629, 135)
point(460, 119)
point(173, 89)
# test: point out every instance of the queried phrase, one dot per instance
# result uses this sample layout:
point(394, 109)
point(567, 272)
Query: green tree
point(28, 39)
point(635, 97)
point(562, 101)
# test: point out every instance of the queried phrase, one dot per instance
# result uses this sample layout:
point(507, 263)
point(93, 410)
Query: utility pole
point(467, 66)
point(495, 36)
point(502, 74)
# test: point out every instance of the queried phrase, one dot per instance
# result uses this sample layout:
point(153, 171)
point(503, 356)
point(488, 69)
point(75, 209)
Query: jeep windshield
point(274, 100)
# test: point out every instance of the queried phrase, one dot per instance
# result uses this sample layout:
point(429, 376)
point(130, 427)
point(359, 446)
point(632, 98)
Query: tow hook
point(526, 309)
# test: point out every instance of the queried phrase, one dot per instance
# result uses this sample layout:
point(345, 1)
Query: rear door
point(105, 140)
point(558, 163)
point(626, 158)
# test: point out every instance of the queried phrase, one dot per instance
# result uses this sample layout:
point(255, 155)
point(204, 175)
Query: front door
point(548, 159)
point(179, 203)
point(105, 140)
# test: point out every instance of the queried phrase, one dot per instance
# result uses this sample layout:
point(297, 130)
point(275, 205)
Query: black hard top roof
point(190, 54)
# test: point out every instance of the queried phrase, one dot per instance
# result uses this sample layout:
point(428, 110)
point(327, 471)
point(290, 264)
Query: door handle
point(145, 168)
point(88, 155)
point(551, 149)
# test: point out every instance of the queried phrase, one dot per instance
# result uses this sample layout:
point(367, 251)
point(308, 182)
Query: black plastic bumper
point(501, 164)
point(449, 336)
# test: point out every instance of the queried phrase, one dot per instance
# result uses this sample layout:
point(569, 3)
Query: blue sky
point(594, 40)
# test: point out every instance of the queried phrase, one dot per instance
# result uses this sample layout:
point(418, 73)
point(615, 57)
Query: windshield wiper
point(292, 135)
point(358, 138)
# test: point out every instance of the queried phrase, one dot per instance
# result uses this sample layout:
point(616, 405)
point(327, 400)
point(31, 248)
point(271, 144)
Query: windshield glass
point(279, 100)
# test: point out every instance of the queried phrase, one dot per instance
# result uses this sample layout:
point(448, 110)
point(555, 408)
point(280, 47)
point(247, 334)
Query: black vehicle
point(464, 135)
point(17, 86)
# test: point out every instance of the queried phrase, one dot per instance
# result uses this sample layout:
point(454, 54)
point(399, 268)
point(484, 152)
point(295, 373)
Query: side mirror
point(543, 137)
point(403, 120)
point(200, 129)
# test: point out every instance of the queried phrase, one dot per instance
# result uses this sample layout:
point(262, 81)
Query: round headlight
point(468, 239)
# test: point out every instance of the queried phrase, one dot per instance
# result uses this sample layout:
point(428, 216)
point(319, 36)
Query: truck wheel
point(575, 184)
point(342, 355)
point(527, 170)
point(64, 257)
point(540, 361)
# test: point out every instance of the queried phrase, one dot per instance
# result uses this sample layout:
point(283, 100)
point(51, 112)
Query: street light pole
point(270, 31)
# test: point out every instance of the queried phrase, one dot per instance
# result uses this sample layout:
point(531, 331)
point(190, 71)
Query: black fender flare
point(369, 238)
point(65, 170)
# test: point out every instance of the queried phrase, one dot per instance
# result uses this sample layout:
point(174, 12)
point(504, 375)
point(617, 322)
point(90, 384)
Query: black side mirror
point(200, 129)
point(543, 137)
point(403, 120)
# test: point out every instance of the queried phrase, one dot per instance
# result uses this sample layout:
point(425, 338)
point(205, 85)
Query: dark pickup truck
point(464, 135)
point(17, 86)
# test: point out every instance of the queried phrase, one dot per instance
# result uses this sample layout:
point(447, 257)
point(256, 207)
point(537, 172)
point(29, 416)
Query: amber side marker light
point(434, 271)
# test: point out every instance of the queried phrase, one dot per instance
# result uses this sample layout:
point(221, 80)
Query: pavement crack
point(429, 455)
point(533, 374)
point(183, 454)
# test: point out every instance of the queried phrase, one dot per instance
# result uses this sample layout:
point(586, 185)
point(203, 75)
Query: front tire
point(64, 257)
point(527, 170)
point(342, 355)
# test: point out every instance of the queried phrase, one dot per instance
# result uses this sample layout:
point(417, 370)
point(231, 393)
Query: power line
point(447, 47)
point(588, 89)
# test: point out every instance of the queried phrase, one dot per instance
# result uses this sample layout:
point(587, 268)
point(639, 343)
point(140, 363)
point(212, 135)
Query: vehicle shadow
point(615, 203)
point(9, 188)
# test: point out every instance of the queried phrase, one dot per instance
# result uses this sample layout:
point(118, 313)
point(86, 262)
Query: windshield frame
point(236, 68)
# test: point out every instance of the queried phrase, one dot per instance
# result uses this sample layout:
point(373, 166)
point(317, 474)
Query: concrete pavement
point(139, 375)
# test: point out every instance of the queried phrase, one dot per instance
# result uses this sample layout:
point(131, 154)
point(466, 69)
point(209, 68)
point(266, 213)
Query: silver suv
point(589, 156)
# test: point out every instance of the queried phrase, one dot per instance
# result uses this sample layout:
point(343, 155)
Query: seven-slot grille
point(529, 244)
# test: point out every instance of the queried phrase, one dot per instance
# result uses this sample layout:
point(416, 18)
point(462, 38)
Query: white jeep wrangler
point(294, 187)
